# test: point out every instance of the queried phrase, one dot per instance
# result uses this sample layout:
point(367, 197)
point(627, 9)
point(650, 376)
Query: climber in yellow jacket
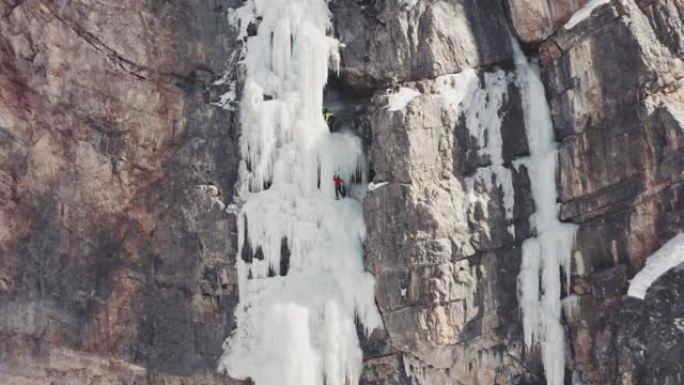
point(329, 117)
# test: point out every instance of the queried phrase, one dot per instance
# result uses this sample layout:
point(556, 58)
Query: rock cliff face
point(117, 263)
point(614, 85)
point(115, 268)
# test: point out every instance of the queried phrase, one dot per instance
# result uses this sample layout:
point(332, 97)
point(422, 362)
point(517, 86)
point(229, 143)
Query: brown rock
point(114, 266)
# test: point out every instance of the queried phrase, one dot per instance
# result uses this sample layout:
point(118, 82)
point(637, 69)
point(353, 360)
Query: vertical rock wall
point(442, 244)
point(615, 86)
point(446, 281)
point(116, 265)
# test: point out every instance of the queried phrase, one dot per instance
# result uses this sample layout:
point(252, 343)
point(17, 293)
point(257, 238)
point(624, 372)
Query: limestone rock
point(535, 20)
point(114, 264)
point(385, 41)
point(615, 87)
point(445, 275)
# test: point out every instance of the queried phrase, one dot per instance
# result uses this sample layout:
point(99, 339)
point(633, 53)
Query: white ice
point(400, 99)
point(297, 327)
point(668, 256)
point(584, 12)
point(539, 283)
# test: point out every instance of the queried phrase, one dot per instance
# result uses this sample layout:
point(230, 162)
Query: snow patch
point(399, 100)
point(374, 186)
point(584, 13)
point(668, 256)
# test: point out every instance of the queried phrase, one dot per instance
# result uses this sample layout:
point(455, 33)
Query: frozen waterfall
point(478, 99)
point(302, 283)
point(550, 251)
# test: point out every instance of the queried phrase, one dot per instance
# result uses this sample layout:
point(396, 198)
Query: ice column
point(550, 251)
point(301, 277)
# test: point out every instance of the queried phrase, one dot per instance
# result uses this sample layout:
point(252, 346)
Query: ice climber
point(339, 187)
point(329, 118)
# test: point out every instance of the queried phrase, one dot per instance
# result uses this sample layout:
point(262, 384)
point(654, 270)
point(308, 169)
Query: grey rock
point(385, 42)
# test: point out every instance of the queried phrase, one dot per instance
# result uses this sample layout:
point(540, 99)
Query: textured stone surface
point(386, 42)
point(536, 20)
point(615, 87)
point(650, 338)
point(115, 262)
point(666, 17)
point(446, 284)
point(445, 277)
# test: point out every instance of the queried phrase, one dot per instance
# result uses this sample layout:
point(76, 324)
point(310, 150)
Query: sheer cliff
point(525, 158)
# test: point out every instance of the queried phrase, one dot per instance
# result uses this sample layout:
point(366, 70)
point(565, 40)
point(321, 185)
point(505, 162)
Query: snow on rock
point(301, 277)
point(399, 100)
point(373, 186)
point(539, 283)
point(584, 13)
point(227, 99)
point(668, 256)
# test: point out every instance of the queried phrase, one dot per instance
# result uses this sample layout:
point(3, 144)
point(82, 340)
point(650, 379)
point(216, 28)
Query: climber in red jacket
point(339, 187)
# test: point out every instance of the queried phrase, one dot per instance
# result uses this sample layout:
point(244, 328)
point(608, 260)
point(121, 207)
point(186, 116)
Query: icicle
point(301, 276)
point(551, 250)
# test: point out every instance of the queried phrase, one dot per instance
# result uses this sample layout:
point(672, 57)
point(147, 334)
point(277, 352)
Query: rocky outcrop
point(442, 245)
point(445, 268)
point(650, 339)
point(116, 263)
point(615, 84)
point(386, 41)
point(445, 277)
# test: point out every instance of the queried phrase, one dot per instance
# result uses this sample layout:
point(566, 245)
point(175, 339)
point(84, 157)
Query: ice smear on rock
point(300, 269)
point(668, 256)
point(480, 106)
point(550, 251)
